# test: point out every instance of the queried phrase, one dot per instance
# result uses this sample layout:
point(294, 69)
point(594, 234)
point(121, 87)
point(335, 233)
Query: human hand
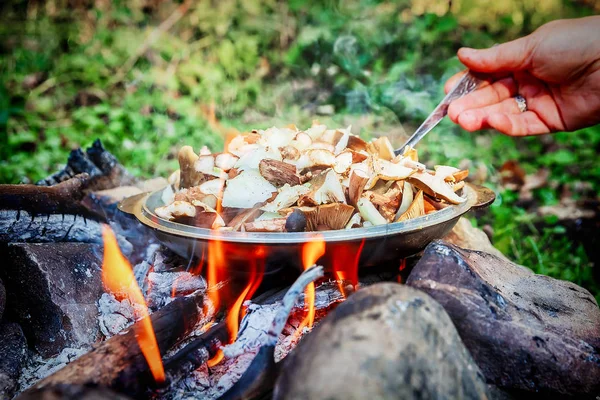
point(556, 69)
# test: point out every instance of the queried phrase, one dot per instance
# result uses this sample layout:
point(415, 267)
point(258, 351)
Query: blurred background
point(147, 76)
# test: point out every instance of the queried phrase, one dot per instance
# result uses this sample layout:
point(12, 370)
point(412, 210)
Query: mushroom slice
point(289, 153)
point(356, 143)
point(411, 153)
point(458, 176)
point(313, 158)
point(369, 213)
point(206, 216)
point(434, 185)
point(318, 145)
point(342, 143)
point(334, 216)
point(174, 179)
point(247, 215)
point(445, 172)
point(354, 221)
point(288, 195)
point(205, 164)
point(247, 189)
point(225, 161)
point(302, 141)
point(278, 173)
point(213, 187)
point(416, 209)
point(343, 161)
point(189, 176)
point(176, 209)
point(267, 225)
point(389, 171)
point(385, 150)
point(325, 188)
point(276, 137)
point(316, 131)
point(168, 195)
point(357, 184)
point(252, 159)
point(407, 198)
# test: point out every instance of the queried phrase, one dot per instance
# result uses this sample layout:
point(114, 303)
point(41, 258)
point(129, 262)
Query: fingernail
point(466, 51)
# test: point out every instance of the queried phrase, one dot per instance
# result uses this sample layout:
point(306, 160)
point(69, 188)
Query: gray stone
point(525, 331)
point(52, 291)
point(387, 341)
point(13, 352)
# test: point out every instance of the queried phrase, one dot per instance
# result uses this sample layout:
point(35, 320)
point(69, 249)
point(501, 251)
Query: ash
point(38, 368)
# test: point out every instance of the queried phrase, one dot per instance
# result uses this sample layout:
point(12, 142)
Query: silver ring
point(521, 103)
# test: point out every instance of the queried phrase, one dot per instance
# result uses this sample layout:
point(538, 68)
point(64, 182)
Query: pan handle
point(485, 196)
point(129, 204)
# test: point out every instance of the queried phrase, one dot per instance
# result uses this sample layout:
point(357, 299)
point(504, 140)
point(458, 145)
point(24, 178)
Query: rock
point(468, 237)
point(387, 341)
point(13, 352)
point(52, 291)
point(73, 392)
point(2, 299)
point(525, 331)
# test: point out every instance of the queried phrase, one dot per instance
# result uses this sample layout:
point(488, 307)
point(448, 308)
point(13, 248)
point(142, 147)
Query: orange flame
point(216, 253)
point(311, 252)
point(345, 265)
point(400, 269)
point(118, 278)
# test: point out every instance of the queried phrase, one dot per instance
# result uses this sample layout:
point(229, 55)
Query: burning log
point(62, 198)
point(118, 363)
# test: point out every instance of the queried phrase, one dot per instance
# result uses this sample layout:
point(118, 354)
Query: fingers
point(523, 124)
point(475, 119)
point(453, 80)
point(485, 96)
point(510, 56)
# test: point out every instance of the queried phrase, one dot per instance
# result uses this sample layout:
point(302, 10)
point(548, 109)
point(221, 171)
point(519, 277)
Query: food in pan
point(291, 180)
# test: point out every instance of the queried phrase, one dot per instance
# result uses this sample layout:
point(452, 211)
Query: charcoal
point(52, 291)
point(387, 341)
point(103, 168)
point(13, 353)
point(2, 299)
point(525, 331)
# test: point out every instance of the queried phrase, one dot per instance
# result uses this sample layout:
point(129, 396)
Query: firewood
point(118, 363)
point(278, 172)
point(63, 198)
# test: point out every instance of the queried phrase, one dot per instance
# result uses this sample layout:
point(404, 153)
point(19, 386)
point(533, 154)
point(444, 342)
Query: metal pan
point(383, 243)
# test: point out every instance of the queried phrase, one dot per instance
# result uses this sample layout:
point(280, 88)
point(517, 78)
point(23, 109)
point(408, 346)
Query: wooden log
point(73, 392)
point(62, 198)
point(118, 363)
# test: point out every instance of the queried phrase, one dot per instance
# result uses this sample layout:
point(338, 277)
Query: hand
point(556, 69)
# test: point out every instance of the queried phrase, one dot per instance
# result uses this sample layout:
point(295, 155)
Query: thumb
point(510, 56)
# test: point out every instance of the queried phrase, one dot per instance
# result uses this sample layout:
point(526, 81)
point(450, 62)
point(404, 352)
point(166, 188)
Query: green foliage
point(69, 76)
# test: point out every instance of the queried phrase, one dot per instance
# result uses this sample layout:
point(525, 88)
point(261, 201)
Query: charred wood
point(62, 198)
point(103, 168)
point(118, 363)
point(73, 392)
point(13, 353)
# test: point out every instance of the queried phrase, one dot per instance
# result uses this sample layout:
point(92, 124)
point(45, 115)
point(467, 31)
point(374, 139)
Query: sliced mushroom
point(316, 131)
point(354, 221)
point(275, 138)
point(175, 210)
point(214, 187)
point(316, 158)
point(342, 143)
point(289, 153)
point(268, 225)
point(287, 196)
point(325, 217)
point(225, 161)
point(252, 159)
point(369, 212)
point(295, 221)
point(356, 143)
point(407, 198)
point(343, 162)
point(174, 179)
point(325, 188)
point(278, 173)
point(458, 176)
point(189, 176)
point(356, 186)
point(387, 170)
point(302, 141)
point(243, 217)
point(416, 209)
point(246, 190)
point(411, 153)
point(168, 195)
point(205, 164)
point(385, 150)
point(434, 185)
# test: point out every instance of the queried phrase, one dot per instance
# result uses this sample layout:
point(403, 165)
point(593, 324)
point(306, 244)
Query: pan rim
point(146, 216)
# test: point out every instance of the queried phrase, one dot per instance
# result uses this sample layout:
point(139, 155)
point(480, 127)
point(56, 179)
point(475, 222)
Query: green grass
point(262, 63)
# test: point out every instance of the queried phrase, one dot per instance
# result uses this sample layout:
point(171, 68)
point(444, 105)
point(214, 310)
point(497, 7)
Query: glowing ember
point(311, 252)
point(118, 278)
point(345, 265)
point(400, 269)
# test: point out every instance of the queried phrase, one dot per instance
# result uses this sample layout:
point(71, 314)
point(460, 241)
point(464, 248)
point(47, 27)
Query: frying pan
point(375, 244)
